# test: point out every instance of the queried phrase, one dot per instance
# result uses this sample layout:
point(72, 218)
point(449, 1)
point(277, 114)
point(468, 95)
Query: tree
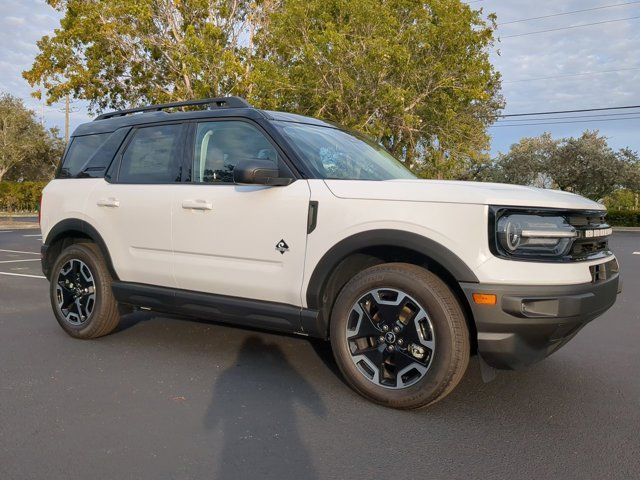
point(26, 148)
point(413, 75)
point(631, 171)
point(584, 165)
point(525, 163)
point(117, 53)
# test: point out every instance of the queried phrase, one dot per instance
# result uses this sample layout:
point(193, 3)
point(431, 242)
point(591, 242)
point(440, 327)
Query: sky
point(572, 68)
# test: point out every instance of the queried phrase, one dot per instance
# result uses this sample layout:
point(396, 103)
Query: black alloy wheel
point(390, 337)
point(75, 291)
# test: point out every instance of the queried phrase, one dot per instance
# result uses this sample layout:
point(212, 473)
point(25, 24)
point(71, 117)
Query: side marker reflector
point(485, 298)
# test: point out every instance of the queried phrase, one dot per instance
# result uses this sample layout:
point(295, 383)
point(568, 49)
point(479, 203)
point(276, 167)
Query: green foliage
point(20, 196)
point(584, 165)
point(624, 218)
point(623, 199)
point(26, 148)
point(118, 53)
point(415, 76)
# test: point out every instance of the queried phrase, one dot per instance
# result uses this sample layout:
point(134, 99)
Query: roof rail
point(219, 102)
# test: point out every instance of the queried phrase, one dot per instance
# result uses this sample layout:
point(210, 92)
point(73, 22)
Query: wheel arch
point(365, 249)
point(67, 232)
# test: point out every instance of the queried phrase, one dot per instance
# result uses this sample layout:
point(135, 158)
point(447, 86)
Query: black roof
point(235, 107)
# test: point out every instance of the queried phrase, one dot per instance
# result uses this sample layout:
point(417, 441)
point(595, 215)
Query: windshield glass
point(335, 154)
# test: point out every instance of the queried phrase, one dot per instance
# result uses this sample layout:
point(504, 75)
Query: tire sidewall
point(435, 381)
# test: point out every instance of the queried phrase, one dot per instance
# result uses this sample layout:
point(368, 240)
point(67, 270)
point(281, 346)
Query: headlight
point(530, 235)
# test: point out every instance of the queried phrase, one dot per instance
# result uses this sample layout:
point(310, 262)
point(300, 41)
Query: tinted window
point(221, 145)
point(152, 156)
point(80, 151)
point(102, 158)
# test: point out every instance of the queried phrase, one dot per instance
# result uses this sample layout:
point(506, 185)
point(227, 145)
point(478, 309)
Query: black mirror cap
point(258, 172)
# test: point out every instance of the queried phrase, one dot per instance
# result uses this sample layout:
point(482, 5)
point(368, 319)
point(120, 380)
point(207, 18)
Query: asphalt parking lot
point(166, 398)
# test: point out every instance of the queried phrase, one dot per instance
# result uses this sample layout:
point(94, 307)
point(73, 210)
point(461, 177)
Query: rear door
point(238, 240)
point(132, 207)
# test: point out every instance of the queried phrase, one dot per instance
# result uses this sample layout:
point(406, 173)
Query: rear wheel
point(80, 292)
point(399, 336)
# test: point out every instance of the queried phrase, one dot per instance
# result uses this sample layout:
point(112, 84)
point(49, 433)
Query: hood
point(449, 191)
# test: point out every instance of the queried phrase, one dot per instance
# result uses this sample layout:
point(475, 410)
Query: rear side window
point(102, 158)
point(90, 155)
point(80, 151)
point(153, 156)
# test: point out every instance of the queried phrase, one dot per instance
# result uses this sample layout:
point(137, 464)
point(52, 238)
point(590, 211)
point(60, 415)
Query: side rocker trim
point(383, 238)
point(235, 310)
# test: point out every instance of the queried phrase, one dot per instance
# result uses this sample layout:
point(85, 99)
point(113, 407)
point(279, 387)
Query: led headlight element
point(524, 235)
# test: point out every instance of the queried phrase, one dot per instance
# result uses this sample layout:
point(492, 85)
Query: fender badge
point(282, 247)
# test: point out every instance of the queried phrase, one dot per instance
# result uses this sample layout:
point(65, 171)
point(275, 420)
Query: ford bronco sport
point(289, 223)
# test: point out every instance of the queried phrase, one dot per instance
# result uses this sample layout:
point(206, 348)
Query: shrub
point(20, 197)
point(623, 199)
point(624, 218)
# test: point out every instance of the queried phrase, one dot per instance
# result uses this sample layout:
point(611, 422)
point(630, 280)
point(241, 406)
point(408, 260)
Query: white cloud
point(596, 48)
point(19, 32)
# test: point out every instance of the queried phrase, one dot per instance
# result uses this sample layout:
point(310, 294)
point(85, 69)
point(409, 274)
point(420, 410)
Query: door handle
point(108, 202)
point(197, 205)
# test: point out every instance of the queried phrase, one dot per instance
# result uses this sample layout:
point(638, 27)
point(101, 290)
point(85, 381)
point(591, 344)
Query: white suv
point(284, 222)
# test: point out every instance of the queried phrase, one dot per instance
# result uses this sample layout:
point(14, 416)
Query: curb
point(626, 229)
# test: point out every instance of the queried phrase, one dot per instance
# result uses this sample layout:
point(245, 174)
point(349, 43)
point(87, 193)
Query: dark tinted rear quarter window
point(102, 158)
point(153, 155)
point(80, 151)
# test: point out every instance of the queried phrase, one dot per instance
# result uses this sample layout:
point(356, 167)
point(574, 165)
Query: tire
point(426, 355)
point(80, 273)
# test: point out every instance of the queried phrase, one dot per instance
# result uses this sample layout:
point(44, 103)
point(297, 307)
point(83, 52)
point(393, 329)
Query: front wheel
point(399, 336)
point(80, 292)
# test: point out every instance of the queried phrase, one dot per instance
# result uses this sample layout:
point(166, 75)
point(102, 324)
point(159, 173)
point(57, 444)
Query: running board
point(240, 311)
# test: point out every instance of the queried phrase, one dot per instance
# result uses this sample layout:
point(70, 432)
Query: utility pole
point(66, 119)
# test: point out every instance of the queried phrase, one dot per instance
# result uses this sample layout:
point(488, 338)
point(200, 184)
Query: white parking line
point(27, 260)
point(6, 231)
point(22, 275)
point(32, 235)
point(636, 253)
point(18, 251)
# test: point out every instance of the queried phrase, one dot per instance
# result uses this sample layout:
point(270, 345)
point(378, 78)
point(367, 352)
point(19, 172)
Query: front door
point(238, 240)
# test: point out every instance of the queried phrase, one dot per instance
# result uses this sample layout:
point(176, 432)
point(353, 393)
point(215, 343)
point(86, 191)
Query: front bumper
point(528, 323)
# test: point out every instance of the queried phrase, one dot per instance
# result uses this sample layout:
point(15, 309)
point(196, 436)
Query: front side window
point(335, 154)
point(153, 156)
point(220, 145)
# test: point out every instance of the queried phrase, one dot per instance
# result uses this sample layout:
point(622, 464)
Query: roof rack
point(219, 102)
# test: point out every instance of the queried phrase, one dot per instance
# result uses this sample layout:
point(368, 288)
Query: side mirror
point(258, 172)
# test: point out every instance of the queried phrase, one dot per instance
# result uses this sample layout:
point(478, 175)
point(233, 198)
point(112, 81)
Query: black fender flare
point(383, 238)
point(70, 225)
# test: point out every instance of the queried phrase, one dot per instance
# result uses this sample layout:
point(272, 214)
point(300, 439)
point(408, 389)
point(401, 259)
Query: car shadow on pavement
point(253, 408)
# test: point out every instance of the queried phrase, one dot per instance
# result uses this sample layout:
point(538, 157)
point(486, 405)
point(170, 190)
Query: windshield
point(335, 154)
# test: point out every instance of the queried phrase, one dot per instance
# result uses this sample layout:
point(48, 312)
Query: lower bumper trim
point(529, 323)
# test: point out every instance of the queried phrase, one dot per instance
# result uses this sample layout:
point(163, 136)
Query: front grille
point(593, 235)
